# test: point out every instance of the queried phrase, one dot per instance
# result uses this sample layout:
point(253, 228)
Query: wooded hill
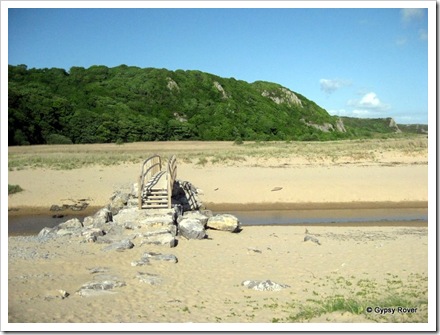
point(129, 104)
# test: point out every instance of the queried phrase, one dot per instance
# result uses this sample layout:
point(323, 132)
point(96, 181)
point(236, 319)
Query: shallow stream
point(32, 224)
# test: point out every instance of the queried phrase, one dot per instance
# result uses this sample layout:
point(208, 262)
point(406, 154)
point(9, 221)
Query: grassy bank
point(66, 157)
point(12, 189)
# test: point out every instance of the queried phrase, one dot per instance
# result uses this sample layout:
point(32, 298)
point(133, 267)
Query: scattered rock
point(258, 251)
point(98, 269)
point(56, 208)
point(103, 285)
point(266, 285)
point(98, 288)
point(78, 205)
point(93, 293)
point(119, 246)
point(56, 294)
point(225, 222)
point(312, 239)
point(159, 257)
point(140, 262)
point(63, 294)
point(149, 278)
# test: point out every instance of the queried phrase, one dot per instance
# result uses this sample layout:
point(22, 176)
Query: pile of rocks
point(121, 225)
point(120, 222)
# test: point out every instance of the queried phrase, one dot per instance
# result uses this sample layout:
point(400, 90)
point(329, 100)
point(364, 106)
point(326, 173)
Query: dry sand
point(233, 185)
point(205, 285)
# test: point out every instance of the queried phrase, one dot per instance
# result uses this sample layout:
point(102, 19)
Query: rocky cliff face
point(340, 126)
point(327, 127)
point(172, 85)
point(221, 90)
point(394, 125)
point(282, 95)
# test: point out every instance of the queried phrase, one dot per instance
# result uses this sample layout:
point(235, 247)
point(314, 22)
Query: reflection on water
point(330, 216)
point(32, 225)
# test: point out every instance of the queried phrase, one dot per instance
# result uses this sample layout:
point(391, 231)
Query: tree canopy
point(126, 104)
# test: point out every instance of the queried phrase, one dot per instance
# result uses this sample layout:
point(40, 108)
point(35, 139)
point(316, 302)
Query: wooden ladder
point(156, 185)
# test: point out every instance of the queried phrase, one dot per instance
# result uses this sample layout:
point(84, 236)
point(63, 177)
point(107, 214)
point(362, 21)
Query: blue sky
point(369, 62)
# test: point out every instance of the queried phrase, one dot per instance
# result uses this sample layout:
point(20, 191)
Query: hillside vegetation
point(130, 104)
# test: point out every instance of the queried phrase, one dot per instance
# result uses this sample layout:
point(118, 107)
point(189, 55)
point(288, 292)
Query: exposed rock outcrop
point(394, 125)
point(327, 127)
point(221, 90)
point(340, 126)
point(282, 95)
point(172, 85)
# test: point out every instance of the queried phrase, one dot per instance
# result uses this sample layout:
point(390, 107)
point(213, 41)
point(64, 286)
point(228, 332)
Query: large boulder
point(158, 218)
point(195, 215)
point(71, 224)
point(45, 232)
point(225, 222)
point(118, 201)
point(159, 237)
point(119, 246)
point(192, 229)
point(99, 219)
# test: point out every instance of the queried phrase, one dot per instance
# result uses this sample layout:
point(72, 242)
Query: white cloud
point(331, 85)
point(410, 14)
point(369, 102)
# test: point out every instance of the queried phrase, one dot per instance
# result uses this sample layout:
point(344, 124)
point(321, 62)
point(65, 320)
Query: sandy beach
point(356, 266)
point(205, 286)
point(385, 176)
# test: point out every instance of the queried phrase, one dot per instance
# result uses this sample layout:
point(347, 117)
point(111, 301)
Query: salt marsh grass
point(67, 157)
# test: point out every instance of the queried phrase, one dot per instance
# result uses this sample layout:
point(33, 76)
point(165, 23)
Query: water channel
point(32, 224)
